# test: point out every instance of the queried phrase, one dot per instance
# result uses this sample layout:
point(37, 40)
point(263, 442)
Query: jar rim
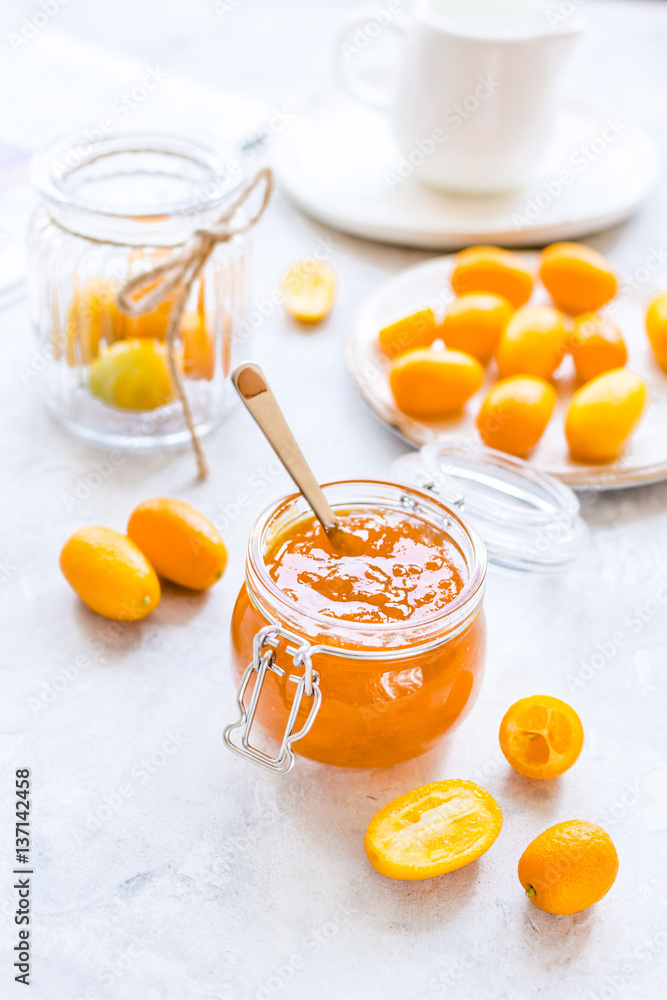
point(58, 161)
point(458, 609)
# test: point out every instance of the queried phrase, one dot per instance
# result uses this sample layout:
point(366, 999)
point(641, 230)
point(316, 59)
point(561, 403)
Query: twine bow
point(181, 272)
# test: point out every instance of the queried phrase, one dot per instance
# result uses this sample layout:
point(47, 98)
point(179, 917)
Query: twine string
point(146, 291)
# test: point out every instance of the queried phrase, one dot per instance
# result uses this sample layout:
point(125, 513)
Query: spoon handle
point(252, 387)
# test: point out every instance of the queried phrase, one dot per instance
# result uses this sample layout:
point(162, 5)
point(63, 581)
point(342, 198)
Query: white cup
point(473, 101)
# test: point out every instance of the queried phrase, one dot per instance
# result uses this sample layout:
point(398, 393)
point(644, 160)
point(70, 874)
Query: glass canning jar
point(352, 693)
point(111, 210)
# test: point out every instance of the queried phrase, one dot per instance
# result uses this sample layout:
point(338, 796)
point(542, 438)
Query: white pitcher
point(473, 101)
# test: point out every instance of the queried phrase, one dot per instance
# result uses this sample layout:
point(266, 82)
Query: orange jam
point(394, 597)
point(380, 566)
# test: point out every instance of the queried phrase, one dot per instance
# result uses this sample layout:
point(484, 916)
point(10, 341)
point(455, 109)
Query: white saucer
point(334, 160)
point(428, 284)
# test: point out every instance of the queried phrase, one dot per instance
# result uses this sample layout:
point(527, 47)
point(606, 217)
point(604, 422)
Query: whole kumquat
point(569, 867)
point(179, 541)
point(417, 330)
point(474, 324)
point(596, 346)
point(110, 574)
point(541, 736)
point(492, 269)
point(534, 342)
point(578, 278)
point(432, 830)
point(603, 414)
point(132, 375)
point(432, 384)
point(656, 328)
point(515, 413)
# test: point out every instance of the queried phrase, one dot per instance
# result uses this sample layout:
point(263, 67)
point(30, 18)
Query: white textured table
point(165, 868)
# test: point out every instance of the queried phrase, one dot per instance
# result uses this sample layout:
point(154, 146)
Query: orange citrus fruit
point(132, 375)
point(431, 384)
point(578, 278)
point(515, 413)
point(492, 269)
point(534, 342)
point(596, 346)
point(656, 327)
point(541, 736)
point(179, 541)
point(474, 323)
point(417, 330)
point(432, 830)
point(309, 290)
point(603, 414)
point(110, 574)
point(569, 867)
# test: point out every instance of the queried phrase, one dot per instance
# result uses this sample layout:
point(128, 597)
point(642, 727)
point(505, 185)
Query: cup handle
point(349, 43)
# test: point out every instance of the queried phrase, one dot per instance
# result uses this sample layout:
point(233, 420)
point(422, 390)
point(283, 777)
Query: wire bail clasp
point(265, 646)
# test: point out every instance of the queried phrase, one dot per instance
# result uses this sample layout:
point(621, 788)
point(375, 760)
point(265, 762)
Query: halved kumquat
point(432, 830)
point(541, 736)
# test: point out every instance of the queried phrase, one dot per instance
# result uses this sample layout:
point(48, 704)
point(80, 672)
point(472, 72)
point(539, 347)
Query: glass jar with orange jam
point(365, 646)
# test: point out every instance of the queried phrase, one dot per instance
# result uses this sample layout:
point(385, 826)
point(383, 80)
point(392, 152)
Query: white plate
point(335, 159)
point(428, 284)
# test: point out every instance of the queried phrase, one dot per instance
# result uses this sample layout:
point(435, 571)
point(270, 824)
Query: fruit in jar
point(515, 414)
point(198, 347)
point(474, 324)
point(179, 541)
point(432, 830)
point(309, 290)
point(492, 269)
point(569, 867)
point(110, 574)
point(656, 328)
point(93, 319)
point(430, 384)
point(603, 414)
point(578, 278)
point(534, 342)
point(596, 346)
point(132, 375)
point(417, 330)
point(541, 736)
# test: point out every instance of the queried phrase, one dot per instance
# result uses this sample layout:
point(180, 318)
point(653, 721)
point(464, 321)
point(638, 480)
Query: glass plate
point(428, 284)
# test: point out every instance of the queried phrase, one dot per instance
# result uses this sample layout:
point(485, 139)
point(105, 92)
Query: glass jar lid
point(528, 520)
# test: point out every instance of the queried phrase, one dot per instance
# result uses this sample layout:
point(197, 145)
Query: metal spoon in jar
point(252, 387)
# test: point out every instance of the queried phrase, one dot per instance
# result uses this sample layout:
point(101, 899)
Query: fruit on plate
point(492, 269)
point(474, 324)
point(541, 737)
point(515, 413)
point(179, 541)
point(578, 278)
point(433, 829)
point(603, 414)
point(430, 384)
point(596, 346)
point(569, 867)
point(534, 342)
point(656, 327)
point(132, 375)
point(110, 574)
point(417, 330)
point(309, 290)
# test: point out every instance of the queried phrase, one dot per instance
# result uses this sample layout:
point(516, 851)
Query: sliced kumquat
point(432, 830)
point(541, 736)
